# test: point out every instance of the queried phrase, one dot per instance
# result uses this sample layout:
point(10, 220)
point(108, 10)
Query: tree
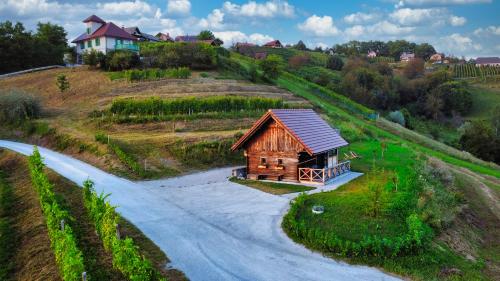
point(62, 83)
point(298, 61)
point(206, 35)
point(300, 46)
point(414, 68)
point(424, 51)
point(50, 42)
point(271, 66)
point(480, 140)
point(15, 47)
point(434, 104)
point(455, 96)
point(335, 62)
point(495, 120)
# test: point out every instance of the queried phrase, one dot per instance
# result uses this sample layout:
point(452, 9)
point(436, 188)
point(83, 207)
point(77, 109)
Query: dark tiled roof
point(305, 125)
point(109, 30)
point(273, 43)
point(94, 18)
point(488, 60)
point(186, 38)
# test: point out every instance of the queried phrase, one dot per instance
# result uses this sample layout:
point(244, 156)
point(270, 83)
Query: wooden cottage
point(293, 145)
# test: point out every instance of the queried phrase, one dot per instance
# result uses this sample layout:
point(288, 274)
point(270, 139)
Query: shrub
point(62, 83)
point(153, 74)
point(17, 106)
point(335, 63)
point(92, 57)
point(121, 60)
point(68, 257)
point(397, 117)
point(168, 55)
point(126, 256)
point(7, 232)
point(271, 66)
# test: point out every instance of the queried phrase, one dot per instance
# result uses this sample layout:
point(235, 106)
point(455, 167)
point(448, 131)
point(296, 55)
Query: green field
point(485, 100)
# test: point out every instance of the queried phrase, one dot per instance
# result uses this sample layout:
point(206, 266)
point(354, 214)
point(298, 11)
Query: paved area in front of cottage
point(210, 228)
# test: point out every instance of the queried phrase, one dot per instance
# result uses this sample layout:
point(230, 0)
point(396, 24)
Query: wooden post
point(62, 225)
point(84, 276)
point(118, 234)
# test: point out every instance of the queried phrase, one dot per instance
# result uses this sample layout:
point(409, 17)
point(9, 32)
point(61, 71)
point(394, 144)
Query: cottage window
point(88, 30)
point(82, 45)
point(89, 44)
point(97, 41)
point(280, 162)
point(263, 161)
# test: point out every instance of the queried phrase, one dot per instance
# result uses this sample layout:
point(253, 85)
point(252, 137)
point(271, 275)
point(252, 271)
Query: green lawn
point(272, 187)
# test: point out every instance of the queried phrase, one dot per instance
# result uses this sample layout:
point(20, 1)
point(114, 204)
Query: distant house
point(436, 57)
point(103, 37)
point(372, 54)
point(406, 57)
point(141, 36)
point(488, 61)
point(164, 37)
point(274, 44)
point(293, 145)
point(187, 38)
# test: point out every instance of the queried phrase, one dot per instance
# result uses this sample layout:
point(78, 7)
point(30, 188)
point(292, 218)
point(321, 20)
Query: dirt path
point(212, 229)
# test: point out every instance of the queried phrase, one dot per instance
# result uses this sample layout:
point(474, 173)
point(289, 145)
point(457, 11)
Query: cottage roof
point(109, 30)
point(488, 60)
point(94, 18)
point(273, 43)
point(165, 37)
point(305, 125)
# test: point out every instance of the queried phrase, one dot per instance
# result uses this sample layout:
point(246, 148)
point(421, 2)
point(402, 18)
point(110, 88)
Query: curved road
point(210, 228)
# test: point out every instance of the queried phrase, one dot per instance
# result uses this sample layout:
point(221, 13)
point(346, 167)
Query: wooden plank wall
point(273, 142)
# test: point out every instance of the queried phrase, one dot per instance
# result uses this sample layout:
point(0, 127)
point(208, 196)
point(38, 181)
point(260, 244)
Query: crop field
point(472, 71)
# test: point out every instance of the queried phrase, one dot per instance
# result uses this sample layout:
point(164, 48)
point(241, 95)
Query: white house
point(104, 37)
point(406, 57)
point(372, 54)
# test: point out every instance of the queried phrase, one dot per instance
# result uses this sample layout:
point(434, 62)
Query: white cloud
point(407, 16)
point(439, 2)
point(487, 31)
point(126, 8)
point(232, 37)
point(319, 26)
point(355, 31)
point(359, 17)
point(388, 28)
point(213, 21)
point(460, 44)
point(268, 9)
point(178, 7)
point(457, 21)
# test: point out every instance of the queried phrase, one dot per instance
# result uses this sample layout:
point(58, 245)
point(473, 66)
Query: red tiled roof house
point(293, 145)
point(274, 44)
point(104, 37)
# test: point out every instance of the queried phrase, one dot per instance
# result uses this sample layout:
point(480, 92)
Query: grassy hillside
point(143, 145)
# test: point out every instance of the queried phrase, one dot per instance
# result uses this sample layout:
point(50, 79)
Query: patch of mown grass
point(272, 187)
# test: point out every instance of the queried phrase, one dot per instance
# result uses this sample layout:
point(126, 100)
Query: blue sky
point(460, 27)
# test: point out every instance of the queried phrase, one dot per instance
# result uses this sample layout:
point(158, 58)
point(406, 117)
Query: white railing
point(323, 175)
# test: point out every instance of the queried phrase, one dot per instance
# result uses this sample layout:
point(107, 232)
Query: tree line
point(22, 49)
point(392, 49)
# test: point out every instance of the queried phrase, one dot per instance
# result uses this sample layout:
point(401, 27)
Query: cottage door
point(332, 158)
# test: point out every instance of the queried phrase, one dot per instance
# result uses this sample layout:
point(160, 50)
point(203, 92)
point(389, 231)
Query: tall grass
point(18, 106)
point(135, 75)
point(192, 105)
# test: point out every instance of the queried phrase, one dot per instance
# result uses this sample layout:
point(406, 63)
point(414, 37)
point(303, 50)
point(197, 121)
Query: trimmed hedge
point(126, 256)
point(68, 257)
